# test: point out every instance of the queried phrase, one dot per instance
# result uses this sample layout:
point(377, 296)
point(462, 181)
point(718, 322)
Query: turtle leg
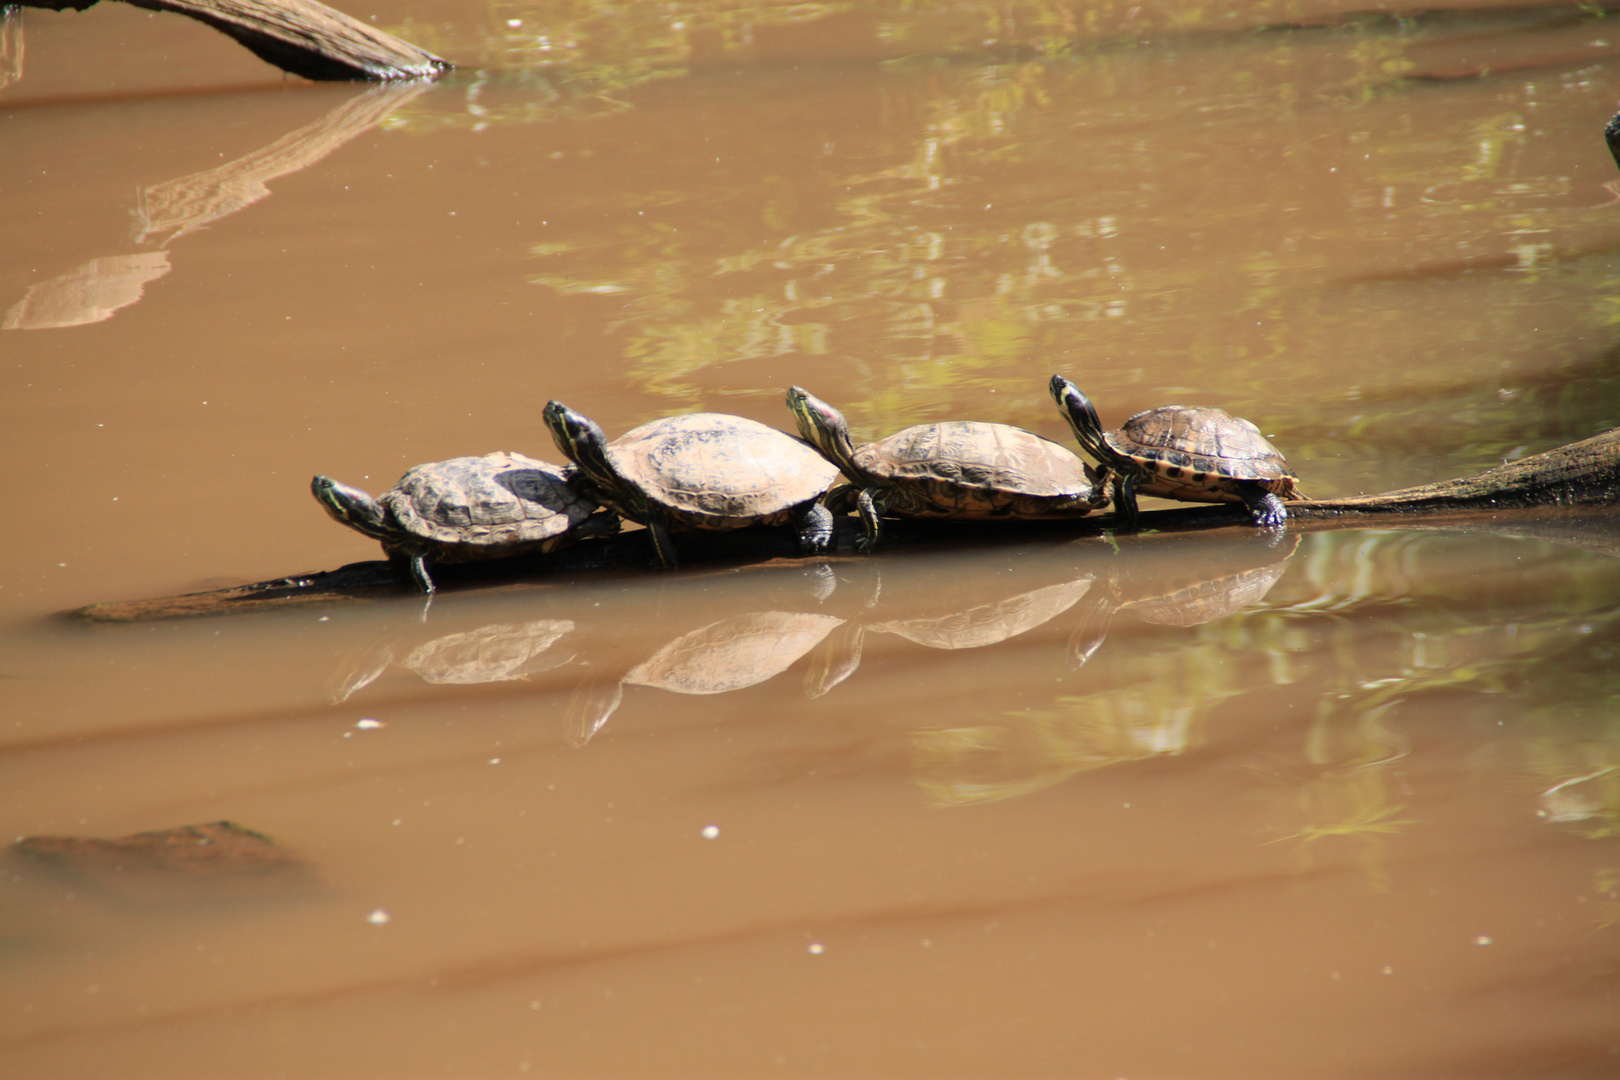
point(815, 524)
point(871, 507)
point(1125, 501)
point(1265, 507)
point(420, 561)
point(601, 523)
point(663, 546)
point(841, 498)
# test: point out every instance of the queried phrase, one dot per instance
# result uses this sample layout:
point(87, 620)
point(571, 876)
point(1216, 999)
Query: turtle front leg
point(1125, 501)
point(1265, 507)
point(419, 563)
point(870, 506)
point(663, 546)
point(841, 499)
point(815, 523)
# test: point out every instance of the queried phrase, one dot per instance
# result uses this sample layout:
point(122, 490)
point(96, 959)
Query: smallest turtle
point(1196, 454)
point(469, 508)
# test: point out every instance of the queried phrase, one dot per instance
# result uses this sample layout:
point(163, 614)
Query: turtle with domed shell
point(963, 469)
point(1186, 452)
point(469, 508)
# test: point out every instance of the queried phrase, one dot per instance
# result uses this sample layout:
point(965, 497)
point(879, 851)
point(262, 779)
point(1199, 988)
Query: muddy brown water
point(1024, 805)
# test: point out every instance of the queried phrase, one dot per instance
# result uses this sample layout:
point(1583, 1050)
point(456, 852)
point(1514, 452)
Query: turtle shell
point(714, 471)
point(486, 507)
point(1199, 454)
point(969, 468)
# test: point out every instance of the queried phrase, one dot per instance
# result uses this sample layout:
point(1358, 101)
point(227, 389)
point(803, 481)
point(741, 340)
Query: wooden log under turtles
point(1569, 495)
point(299, 36)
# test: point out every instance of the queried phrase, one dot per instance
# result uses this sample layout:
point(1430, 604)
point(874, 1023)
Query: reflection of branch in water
point(88, 293)
point(11, 46)
point(182, 206)
point(96, 290)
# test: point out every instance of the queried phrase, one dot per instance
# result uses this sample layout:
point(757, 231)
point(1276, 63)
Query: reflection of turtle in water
point(468, 508)
point(499, 652)
point(1215, 581)
point(1182, 452)
point(956, 469)
point(731, 654)
point(702, 471)
point(972, 627)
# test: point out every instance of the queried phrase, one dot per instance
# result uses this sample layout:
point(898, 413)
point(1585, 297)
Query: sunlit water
point(1021, 804)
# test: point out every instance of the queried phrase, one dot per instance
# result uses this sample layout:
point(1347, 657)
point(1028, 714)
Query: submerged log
point(1567, 495)
point(300, 36)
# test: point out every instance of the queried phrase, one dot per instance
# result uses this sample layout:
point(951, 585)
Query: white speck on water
point(1389, 969)
point(369, 724)
point(710, 832)
point(494, 761)
point(514, 23)
point(323, 618)
point(816, 948)
point(1483, 939)
point(378, 917)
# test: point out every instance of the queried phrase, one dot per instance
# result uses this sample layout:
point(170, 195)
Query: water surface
point(1019, 804)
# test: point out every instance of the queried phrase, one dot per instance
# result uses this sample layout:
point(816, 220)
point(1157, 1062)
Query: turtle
point(700, 471)
point(469, 508)
point(964, 469)
point(1192, 453)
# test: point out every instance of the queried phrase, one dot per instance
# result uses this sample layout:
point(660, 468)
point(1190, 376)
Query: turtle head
point(1082, 417)
point(823, 427)
point(353, 507)
point(582, 442)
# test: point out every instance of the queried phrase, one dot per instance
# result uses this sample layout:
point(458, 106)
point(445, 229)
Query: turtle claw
point(1267, 510)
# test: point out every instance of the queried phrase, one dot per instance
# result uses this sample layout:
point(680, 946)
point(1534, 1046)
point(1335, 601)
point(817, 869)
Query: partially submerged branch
point(1586, 473)
point(301, 36)
point(1532, 497)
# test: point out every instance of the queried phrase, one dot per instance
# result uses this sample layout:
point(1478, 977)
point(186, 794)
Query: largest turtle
point(469, 508)
point(701, 471)
point(1193, 453)
point(953, 469)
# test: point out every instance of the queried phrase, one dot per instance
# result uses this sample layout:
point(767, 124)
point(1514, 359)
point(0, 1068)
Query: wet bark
point(301, 36)
point(1586, 473)
point(1570, 495)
